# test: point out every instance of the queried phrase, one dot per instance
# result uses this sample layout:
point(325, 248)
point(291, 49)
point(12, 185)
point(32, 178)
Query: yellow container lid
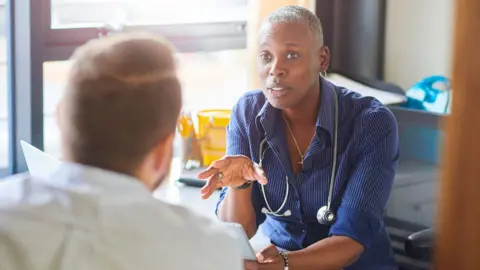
point(217, 117)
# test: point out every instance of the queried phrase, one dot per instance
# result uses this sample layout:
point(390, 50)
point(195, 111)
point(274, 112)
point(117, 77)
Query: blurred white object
point(385, 97)
point(39, 163)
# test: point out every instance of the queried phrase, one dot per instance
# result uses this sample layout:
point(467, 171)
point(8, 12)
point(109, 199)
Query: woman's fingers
point(230, 171)
point(214, 168)
point(223, 162)
point(205, 191)
point(259, 174)
point(267, 253)
point(213, 183)
point(255, 172)
point(207, 173)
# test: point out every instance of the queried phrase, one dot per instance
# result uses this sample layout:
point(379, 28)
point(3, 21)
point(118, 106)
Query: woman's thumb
point(259, 174)
point(269, 252)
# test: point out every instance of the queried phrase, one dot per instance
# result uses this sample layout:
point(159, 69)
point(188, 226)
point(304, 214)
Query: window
point(191, 25)
point(213, 79)
point(210, 36)
point(209, 80)
point(80, 13)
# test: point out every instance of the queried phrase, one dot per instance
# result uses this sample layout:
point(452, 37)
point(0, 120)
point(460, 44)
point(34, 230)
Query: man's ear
point(163, 153)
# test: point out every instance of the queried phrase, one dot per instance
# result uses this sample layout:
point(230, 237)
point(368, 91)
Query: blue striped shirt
point(366, 164)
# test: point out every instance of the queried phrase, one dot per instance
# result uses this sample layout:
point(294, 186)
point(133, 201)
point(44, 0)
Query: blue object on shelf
point(431, 94)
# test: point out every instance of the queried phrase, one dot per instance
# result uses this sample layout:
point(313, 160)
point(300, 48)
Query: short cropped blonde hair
point(122, 98)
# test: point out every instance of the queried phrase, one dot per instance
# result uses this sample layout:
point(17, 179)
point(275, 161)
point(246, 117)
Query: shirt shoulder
point(368, 121)
point(367, 112)
point(249, 105)
point(16, 188)
point(207, 242)
point(16, 178)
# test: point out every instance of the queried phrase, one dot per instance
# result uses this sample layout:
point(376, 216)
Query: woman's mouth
point(277, 92)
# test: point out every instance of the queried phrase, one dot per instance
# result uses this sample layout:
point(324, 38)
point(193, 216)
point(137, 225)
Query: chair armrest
point(420, 244)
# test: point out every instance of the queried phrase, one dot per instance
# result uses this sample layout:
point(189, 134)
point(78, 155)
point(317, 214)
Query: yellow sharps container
point(212, 125)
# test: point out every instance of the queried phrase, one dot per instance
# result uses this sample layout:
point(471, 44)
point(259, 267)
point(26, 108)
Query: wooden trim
point(458, 240)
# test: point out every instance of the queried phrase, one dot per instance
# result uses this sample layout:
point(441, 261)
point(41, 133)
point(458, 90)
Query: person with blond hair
point(117, 120)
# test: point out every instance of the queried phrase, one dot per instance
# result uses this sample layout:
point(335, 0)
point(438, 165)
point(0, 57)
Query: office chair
point(420, 245)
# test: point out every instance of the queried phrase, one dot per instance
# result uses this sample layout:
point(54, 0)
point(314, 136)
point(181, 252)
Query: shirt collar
point(267, 116)
point(74, 175)
point(326, 111)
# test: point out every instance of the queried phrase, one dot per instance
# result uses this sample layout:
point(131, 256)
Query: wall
point(358, 37)
point(418, 40)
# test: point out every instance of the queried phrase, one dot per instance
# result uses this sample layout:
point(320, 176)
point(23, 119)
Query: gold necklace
point(295, 141)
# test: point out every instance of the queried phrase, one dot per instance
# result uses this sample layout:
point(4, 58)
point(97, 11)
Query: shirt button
point(303, 230)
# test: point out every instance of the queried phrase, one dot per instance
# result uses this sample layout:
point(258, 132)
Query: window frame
point(25, 79)
point(61, 42)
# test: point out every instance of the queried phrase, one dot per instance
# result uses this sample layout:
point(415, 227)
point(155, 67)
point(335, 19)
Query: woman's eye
point(265, 57)
point(292, 55)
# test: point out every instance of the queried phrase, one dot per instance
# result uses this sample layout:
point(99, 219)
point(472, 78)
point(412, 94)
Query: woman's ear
point(324, 58)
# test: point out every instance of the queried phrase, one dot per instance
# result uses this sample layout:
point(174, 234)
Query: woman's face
point(290, 60)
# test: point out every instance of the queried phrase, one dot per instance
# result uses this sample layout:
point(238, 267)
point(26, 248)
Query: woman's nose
point(277, 72)
point(277, 69)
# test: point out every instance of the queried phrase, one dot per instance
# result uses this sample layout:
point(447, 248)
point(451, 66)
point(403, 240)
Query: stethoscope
point(324, 215)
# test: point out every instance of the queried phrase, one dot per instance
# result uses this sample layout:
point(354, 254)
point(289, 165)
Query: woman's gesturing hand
point(232, 171)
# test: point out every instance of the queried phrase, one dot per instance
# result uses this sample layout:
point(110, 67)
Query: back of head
point(122, 99)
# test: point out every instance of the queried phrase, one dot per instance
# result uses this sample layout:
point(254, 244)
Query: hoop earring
point(323, 74)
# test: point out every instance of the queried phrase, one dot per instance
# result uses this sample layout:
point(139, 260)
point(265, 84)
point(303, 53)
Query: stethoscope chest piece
point(325, 216)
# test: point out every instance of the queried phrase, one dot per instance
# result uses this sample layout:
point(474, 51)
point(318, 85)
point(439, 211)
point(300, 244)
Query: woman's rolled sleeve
point(360, 214)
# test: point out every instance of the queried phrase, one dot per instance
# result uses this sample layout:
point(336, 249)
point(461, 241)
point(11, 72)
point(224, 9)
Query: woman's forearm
point(237, 207)
point(333, 253)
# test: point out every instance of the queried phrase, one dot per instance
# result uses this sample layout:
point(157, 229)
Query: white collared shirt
point(87, 218)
